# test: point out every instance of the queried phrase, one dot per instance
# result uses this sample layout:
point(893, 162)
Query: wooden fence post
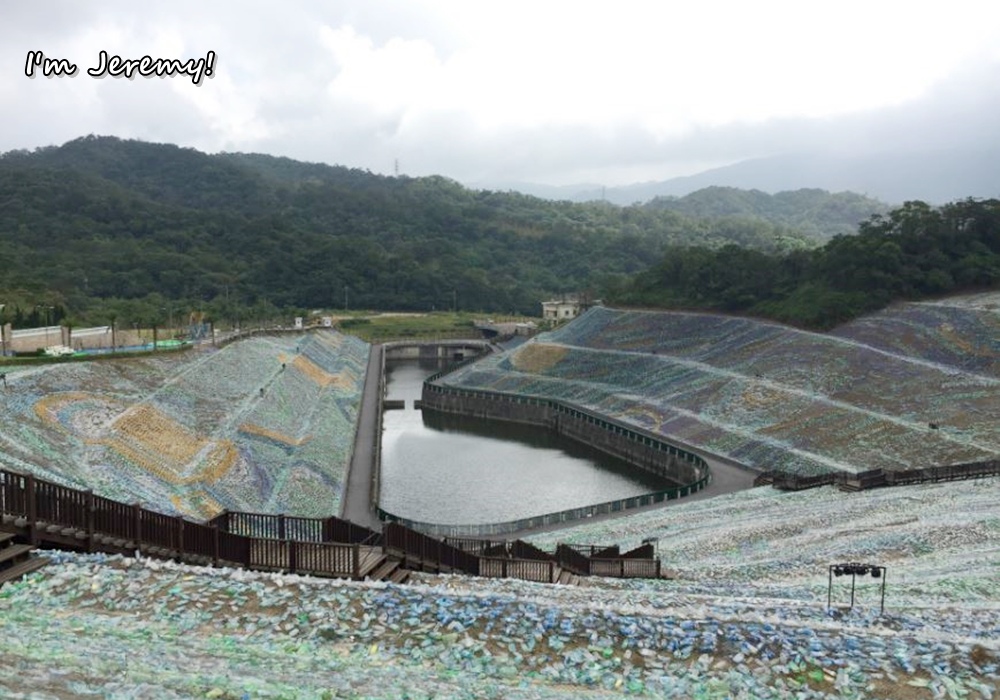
point(215, 546)
point(180, 537)
point(293, 557)
point(32, 508)
point(281, 526)
point(137, 524)
point(89, 505)
point(356, 564)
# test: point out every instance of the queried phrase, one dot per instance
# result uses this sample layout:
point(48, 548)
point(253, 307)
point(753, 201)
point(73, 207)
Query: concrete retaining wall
point(637, 447)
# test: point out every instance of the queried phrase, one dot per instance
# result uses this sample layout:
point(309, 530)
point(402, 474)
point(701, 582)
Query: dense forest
point(913, 252)
point(816, 213)
point(102, 227)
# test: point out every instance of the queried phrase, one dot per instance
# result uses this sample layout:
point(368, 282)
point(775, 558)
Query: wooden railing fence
point(62, 516)
point(873, 478)
point(68, 517)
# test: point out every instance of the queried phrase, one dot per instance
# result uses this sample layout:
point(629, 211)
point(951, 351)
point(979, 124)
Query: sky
point(492, 92)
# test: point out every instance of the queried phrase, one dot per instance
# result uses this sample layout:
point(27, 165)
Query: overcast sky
point(488, 92)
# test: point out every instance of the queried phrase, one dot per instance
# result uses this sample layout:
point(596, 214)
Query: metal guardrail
point(560, 517)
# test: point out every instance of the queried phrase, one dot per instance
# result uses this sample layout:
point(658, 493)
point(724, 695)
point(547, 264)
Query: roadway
point(356, 502)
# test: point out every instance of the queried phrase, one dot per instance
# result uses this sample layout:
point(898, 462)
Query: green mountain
point(913, 252)
point(102, 225)
point(817, 213)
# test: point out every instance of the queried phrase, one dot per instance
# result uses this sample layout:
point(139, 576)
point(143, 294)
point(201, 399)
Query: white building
point(564, 309)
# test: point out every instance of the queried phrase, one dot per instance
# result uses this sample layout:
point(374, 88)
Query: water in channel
point(451, 470)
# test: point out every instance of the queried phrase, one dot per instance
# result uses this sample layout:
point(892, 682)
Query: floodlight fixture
point(854, 569)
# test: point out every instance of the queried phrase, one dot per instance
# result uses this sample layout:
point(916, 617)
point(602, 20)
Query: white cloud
point(515, 90)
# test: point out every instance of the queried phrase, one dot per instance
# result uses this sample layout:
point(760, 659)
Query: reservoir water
point(447, 469)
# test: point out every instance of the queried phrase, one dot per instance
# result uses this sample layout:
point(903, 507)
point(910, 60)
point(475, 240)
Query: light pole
point(854, 569)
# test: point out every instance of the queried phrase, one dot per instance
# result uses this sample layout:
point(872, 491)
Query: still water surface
point(456, 470)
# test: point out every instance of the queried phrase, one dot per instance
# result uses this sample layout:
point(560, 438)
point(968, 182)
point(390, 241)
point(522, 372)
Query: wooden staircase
point(568, 578)
point(377, 566)
point(389, 570)
point(16, 560)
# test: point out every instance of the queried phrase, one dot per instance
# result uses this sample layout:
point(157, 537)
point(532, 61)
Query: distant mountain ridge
point(935, 177)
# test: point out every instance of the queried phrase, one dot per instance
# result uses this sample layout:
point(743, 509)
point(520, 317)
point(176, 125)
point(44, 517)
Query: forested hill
point(100, 220)
point(817, 213)
point(913, 252)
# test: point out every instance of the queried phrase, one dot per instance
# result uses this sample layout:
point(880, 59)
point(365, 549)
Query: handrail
point(881, 477)
point(256, 540)
point(284, 527)
point(573, 560)
point(39, 503)
point(563, 516)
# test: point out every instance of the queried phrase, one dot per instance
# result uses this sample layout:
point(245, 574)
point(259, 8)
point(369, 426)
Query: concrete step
point(22, 568)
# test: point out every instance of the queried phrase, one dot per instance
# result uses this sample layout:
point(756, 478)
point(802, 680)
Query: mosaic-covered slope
point(962, 332)
point(265, 425)
point(769, 396)
point(745, 617)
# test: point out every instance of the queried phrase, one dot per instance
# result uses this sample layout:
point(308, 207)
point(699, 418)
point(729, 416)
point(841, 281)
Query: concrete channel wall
point(637, 447)
point(686, 471)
